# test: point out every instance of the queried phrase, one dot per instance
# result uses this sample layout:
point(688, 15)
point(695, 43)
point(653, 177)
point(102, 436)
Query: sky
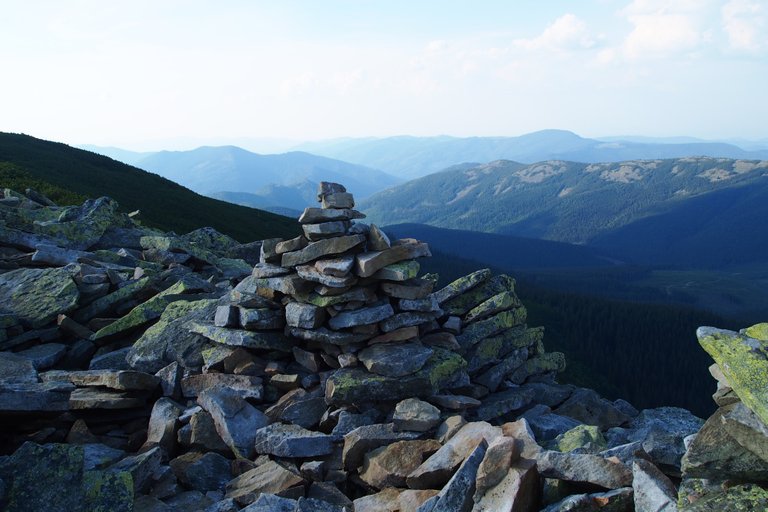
point(174, 74)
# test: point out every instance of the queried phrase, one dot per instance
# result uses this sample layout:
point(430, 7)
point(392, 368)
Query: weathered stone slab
point(415, 415)
point(537, 365)
point(242, 338)
point(394, 500)
point(341, 200)
point(395, 359)
point(482, 329)
point(355, 386)
point(163, 422)
point(458, 492)
point(102, 306)
point(388, 466)
point(16, 369)
point(261, 318)
point(402, 334)
point(313, 215)
point(369, 263)
point(369, 437)
point(290, 284)
point(35, 396)
point(499, 302)
point(121, 380)
point(461, 285)
point(584, 468)
point(304, 316)
point(413, 289)
point(503, 402)
point(362, 316)
point(407, 319)
point(437, 469)
point(652, 489)
point(267, 478)
point(37, 296)
point(310, 273)
point(495, 375)
point(267, 270)
point(44, 356)
point(400, 271)
point(92, 398)
point(246, 386)
point(744, 362)
point(319, 231)
point(321, 248)
point(236, 420)
point(323, 335)
point(292, 441)
point(353, 295)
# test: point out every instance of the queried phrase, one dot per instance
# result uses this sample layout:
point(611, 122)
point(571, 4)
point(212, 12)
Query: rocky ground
point(151, 371)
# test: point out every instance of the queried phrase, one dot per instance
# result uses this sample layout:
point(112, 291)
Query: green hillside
point(638, 209)
point(70, 174)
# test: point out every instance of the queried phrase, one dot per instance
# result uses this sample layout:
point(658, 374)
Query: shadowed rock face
point(329, 371)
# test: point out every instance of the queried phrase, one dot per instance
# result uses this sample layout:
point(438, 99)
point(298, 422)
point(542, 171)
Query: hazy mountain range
point(413, 157)
point(693, 211)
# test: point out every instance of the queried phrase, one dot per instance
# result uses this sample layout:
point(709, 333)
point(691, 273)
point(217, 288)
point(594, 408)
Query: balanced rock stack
point(142, 370)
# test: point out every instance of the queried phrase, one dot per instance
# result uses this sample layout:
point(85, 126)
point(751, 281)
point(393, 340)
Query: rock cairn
point(142, 370)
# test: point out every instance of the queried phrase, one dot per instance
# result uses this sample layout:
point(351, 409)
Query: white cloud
point(745, 25)
point(567, 32)
point(662, 28)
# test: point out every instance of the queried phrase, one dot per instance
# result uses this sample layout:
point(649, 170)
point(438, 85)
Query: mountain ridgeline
point(414, 157)
point(647, 211)
point(215, 170)
point(74, 174)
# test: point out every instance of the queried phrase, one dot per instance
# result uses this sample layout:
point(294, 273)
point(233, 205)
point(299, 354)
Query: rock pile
point(148, 371)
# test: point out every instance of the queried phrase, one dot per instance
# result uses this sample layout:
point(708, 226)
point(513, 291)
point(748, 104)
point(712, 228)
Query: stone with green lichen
point(543, 363)
point(80, 227)
point(357, 386)
point(176, 244)
point(169, 339)
point(462, 285)
point(715, 454)
point(154, 307)
point(757, 331)
point(104, 304)
point(491, 350)
point(442, 368)
point(466, 301)
point(739, 498)
point(51, 477)
point(322, 301)
point(232, 268)
point(585, 438)
point(482, 329)
point(242, 338)
point(499, 302)
point(401, 271)
point(744, 362)
point(37, 296)
point(210, 240)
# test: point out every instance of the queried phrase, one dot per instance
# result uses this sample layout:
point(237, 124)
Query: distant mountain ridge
point(413, 157)
point(615, 206)
point(210, 170)
point(162, 203)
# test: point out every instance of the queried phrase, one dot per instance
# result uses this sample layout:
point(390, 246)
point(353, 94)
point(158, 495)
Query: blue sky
point(147, 75)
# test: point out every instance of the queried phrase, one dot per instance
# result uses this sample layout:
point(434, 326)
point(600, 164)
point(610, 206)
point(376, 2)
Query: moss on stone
point(758, 331)
point(442, 367)
point(586, 437)
point(37, 296)
point(744, 362)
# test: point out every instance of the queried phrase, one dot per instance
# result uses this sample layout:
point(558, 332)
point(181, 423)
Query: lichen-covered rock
point(744, 362)
point(52, 477)
point(170, 340)
point(584, 438)
point(462, 285)
point(395, 359)
point(38, 295)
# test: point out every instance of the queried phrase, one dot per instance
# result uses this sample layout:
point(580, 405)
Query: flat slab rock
point(122, 380)
point(292, 441)
point(395, 360)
